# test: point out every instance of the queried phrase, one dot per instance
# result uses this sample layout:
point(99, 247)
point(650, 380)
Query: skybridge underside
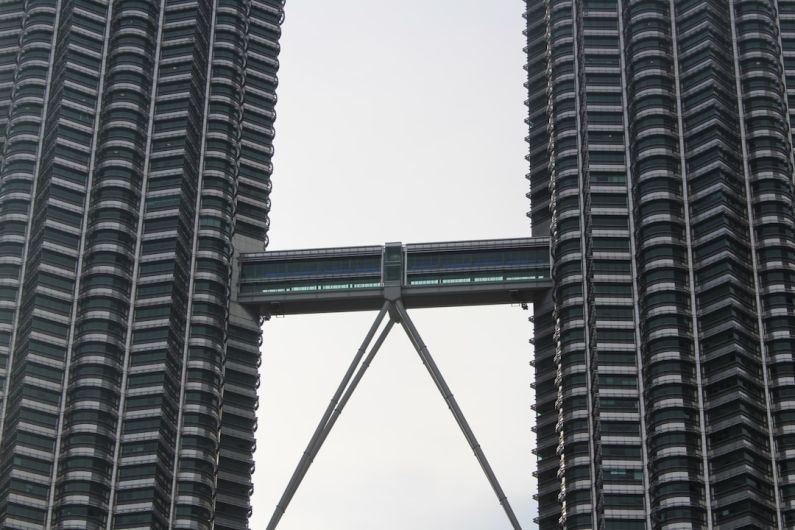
point(344, 300)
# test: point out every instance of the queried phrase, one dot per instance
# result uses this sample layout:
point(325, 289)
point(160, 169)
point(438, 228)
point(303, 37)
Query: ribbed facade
point(661, 164)
point(135, 160)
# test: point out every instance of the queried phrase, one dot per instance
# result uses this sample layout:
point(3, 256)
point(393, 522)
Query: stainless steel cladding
point(135, 140)
point(661, 166)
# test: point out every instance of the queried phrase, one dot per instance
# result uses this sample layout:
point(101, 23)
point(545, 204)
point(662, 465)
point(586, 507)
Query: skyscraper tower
point(135, 148)
point(661, 165)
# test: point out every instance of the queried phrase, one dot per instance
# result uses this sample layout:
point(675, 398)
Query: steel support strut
point(352, 387)
point(348, 385)
point(301, 471)
point(436, 375)
point(317, 437)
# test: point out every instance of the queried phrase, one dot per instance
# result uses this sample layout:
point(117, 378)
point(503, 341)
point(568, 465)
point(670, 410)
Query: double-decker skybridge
point(391, 279)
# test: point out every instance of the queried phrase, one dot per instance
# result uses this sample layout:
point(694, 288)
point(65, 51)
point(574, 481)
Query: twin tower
point(135, 162)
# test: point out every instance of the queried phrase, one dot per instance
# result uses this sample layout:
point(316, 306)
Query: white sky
point(398, 121)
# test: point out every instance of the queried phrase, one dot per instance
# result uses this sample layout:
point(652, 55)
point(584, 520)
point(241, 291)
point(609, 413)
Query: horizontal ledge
point(413, 297)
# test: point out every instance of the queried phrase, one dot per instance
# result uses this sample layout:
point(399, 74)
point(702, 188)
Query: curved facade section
point(665, 181)
point(141, 131)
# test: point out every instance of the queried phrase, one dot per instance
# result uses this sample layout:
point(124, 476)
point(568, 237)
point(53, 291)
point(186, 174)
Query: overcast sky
point(398, 121)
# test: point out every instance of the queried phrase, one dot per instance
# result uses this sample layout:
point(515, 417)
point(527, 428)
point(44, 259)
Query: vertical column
point(49, 125)
point(777, 283)
point(622, 438)
point(250, 227)
point(570, 236)
point(77, 497)
point(766, 151)
point(547, 440)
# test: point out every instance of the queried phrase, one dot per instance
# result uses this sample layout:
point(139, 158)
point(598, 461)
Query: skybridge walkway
point(496, 271)
point(391, 279)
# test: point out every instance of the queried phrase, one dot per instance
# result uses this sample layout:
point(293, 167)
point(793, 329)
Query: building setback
point(661, 166)
point(135, 159)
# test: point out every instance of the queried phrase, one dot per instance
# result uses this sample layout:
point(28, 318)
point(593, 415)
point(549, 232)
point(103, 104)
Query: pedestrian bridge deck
point(496, 271)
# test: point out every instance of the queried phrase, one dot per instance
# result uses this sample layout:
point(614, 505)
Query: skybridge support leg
point(337, 403)
point(352, 387)
point(436, 375)
point(348, 385)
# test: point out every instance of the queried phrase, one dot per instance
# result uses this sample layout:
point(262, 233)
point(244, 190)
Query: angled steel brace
point(348, 385)
point(436, 375)
point(317, 437)
point(303, 466)
point(352, 387)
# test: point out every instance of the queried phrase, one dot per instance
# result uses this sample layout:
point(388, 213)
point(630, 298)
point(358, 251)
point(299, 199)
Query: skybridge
point(461, 273)
point(391, 279)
